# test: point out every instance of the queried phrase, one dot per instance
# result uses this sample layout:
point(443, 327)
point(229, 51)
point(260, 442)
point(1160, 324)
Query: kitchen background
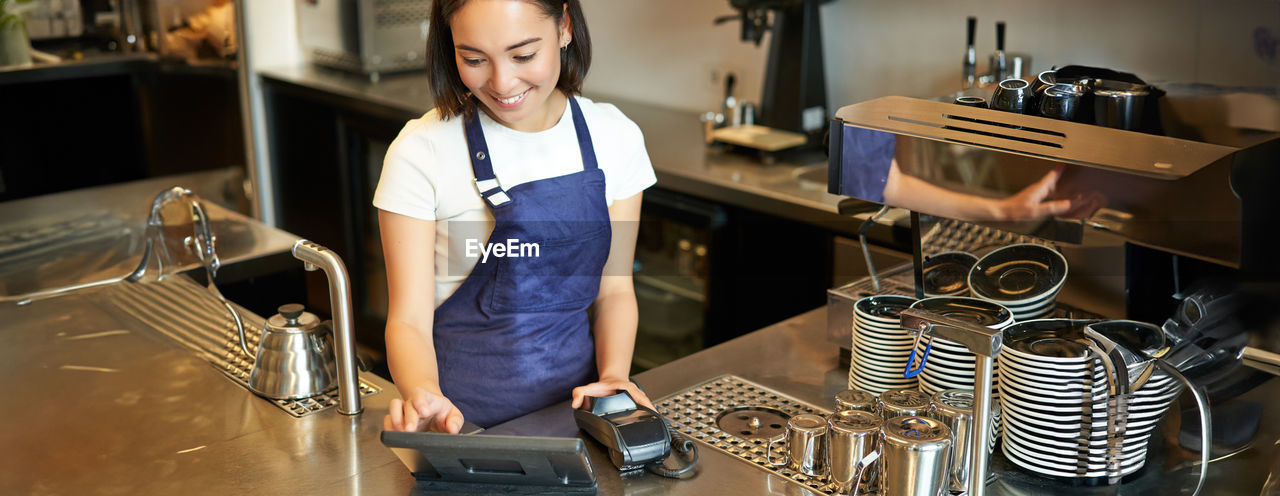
point(322, 135)
point(753, 242)
point(877, 47)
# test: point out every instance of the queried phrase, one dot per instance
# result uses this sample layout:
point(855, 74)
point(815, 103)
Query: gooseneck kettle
point(295, 356)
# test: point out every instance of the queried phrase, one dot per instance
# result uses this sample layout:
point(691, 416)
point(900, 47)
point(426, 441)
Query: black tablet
point(511, 464)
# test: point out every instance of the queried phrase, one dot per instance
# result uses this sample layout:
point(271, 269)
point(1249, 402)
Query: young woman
point(506, 212)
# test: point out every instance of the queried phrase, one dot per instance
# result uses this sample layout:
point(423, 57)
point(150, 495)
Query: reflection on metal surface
point(295, 356)
point(1197, 214)
point(201, 238)
point(95, 335)
point(88, 238)
point(29, 242)
point(87, 368)
point(697, 413)
point(1036, 137)
point(180, 309)
point(29, 251)
point(1193, 192)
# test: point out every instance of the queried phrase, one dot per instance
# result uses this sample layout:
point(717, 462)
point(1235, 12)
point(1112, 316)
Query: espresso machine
point(1181, 221)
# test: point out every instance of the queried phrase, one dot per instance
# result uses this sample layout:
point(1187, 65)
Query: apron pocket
point(562, 274)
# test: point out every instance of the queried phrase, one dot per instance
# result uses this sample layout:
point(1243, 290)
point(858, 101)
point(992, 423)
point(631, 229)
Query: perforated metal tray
point(693, 412)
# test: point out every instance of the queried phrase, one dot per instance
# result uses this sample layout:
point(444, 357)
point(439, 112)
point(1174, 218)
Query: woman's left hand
point(609, 387)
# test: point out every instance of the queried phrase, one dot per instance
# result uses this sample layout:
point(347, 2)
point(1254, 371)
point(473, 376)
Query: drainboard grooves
point(215, 321)
point(181, 296)
point(144, 307)
point(201, 335)
point(187, 313)
point(693, 412)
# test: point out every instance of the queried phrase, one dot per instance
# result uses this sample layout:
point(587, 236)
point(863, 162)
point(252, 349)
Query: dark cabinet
point(72, 127)
point(327, 156)
point(707, 272)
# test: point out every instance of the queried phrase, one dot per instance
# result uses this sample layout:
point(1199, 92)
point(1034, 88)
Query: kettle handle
point(326, 333)
point(362, 362)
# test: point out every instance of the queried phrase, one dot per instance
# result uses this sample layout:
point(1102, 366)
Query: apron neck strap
point(482, 162)
point(584, 136)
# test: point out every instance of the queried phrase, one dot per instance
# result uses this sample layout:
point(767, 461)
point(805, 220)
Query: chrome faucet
point(202, 238)
point(319, 257)
point(201, 243)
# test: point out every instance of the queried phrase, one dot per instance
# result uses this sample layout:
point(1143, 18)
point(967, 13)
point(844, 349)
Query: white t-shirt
point(427, 174)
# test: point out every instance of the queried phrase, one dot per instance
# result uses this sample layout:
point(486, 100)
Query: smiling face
point(508, 55)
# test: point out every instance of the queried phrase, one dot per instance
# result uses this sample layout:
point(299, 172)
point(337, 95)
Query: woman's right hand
point(423, 410)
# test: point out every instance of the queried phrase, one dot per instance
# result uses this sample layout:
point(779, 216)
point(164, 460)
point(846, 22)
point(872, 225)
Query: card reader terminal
point(634, 435)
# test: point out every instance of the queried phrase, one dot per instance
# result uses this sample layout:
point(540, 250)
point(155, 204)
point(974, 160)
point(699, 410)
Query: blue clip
point(924, 358)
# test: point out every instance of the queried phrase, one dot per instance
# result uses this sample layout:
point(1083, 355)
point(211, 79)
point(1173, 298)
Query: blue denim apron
point(515, 337)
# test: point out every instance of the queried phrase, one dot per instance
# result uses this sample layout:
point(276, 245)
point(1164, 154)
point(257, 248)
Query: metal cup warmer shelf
point(1204, 190)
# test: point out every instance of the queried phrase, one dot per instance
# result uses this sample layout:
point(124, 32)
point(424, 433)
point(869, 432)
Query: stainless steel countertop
point(674, 138)
point(101, 403)
point(98, 233)
point(99, 411)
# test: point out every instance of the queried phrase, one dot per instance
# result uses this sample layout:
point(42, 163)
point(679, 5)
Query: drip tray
point(740, 418)
point(754, 422)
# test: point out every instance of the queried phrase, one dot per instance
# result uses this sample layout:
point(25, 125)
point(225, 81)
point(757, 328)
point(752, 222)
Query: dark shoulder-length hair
point(452, 98)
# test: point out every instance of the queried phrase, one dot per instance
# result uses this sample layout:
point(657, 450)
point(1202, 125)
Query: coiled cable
point(679, 444)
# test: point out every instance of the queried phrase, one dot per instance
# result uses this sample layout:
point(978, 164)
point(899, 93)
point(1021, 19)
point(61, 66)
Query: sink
point(812, 176)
